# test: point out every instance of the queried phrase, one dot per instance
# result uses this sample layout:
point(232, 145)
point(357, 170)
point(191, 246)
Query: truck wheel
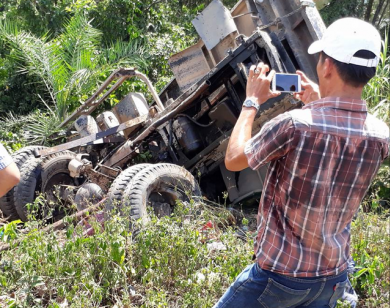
point(25, 190)
point(115, 193)
point(42, 174)
point(20, 157)
point(55, 176)
point(159, 186)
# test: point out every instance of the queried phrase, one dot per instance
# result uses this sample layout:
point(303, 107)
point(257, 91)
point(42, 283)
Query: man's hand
point(258, 86)
point(310, 92)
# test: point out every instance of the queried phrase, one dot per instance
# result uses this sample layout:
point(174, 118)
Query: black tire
point(169, 181)
point(25, 191)
point(117, 188)
point(36, 176)
point(20, 157)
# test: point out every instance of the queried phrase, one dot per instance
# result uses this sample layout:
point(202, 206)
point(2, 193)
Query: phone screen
point(287, 83)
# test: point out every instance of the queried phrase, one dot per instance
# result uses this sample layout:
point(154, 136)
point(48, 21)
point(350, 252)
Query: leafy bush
point(167, 264)
point(377, 199)
point(171, 261)
point(19, 131)
point(377, 92)
point(69, 66)
point(377, 95)
point(370, 246)
point(18, 92)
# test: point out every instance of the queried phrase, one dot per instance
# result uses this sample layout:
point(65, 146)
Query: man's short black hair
point(351, 74)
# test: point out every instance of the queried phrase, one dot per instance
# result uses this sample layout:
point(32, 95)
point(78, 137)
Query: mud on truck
point(184, 131)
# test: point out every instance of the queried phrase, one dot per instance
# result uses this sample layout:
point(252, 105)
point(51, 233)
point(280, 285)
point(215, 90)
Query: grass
point(170, 263)
point(370, 250)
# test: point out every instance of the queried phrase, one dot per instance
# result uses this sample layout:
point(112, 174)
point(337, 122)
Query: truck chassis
point(158, 153)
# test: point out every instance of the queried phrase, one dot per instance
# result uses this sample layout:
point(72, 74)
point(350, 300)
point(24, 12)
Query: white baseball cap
point(346, 36)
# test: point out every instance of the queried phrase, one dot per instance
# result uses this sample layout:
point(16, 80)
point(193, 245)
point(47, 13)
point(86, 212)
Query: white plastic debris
point(216, 246)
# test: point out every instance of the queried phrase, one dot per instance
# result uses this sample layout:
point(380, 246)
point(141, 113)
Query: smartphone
point(286, 83)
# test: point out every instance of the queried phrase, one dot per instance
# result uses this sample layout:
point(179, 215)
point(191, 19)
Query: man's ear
point(328, 68)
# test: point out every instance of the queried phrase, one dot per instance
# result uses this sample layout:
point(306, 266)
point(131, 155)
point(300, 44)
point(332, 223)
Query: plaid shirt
point(5, 158)
point(323, 158)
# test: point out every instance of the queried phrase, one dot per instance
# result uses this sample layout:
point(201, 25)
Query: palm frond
point(12, 122)
point(34, 55)
point(39, 127)
point(35, 127)
point(79, 36)
point(131, 53)
point(83, 81)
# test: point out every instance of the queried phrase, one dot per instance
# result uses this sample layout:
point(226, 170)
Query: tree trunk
point(367, 15)
point(383, 13)
point(377, 11)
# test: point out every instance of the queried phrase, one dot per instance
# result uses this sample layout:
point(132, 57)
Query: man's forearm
point(9, 177)
point(235, 159)
point(257, 91)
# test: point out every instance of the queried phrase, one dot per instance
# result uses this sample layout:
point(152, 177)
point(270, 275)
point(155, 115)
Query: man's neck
point(344, 91)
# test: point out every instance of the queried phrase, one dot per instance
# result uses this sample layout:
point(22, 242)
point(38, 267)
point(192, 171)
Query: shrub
point(167, 264)
point(370, 248)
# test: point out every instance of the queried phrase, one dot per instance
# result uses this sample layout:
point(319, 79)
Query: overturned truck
point(151, 154)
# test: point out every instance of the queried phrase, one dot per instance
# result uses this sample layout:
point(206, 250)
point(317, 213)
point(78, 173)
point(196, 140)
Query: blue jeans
point(256, 287)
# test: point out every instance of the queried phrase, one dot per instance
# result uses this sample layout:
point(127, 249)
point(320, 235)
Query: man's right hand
point(310, 90)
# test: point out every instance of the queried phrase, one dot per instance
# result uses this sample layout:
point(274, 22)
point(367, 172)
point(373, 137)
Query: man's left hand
point(258, 85)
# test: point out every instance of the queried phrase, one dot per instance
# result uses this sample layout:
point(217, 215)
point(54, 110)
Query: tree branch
point(383, 13)
point(153, 3)
point(377, 11)
point(368, 10)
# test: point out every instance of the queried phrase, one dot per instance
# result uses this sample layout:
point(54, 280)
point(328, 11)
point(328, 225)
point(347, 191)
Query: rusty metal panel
point(243, 18)
point(214, 24)
point(189, 66)
point(298, 23)
point(121, 155)
point(220, 51)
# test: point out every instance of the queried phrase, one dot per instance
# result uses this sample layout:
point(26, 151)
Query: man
point(9, 172)
point(322, 158)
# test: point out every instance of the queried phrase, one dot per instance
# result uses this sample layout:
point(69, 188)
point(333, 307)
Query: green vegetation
point(370, 247)
point(53, 55)
point(375, 11)
point(170, 262)
point(186, 260)
point(377, 92)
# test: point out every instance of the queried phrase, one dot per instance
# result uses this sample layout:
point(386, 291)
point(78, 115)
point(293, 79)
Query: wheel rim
point(59, 191)
point(162, 198)
point(56, 186)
